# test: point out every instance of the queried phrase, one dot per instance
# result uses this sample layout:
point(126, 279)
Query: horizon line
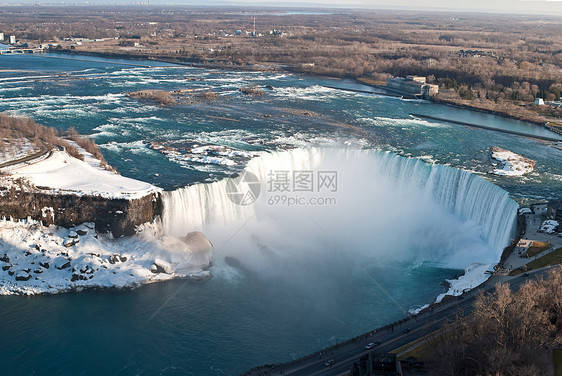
point(286, 7)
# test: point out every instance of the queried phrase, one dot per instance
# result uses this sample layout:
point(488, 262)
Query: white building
point(1, 37)
point(539, 102)
point(12, 39)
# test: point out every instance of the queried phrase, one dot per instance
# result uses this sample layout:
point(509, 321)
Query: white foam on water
point(135, 147)
point(405, 122)
point(311, 93)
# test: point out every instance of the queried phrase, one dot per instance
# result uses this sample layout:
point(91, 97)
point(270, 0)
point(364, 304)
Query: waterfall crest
point(466, 195)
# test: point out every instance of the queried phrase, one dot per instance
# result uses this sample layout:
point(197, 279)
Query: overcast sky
point(547, 7)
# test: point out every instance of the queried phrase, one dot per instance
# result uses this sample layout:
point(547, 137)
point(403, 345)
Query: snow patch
point(63, 174)
point(47, 212)
point(511, 164)
point(12, 150)
point(415, 311)
point(474, 276)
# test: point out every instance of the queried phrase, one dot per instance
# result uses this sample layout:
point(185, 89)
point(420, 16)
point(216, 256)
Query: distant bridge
point(15, 51)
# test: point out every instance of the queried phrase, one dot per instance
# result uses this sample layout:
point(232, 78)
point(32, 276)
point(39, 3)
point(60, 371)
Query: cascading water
point(192, 207)
point(195, 206)
point(467, 195)
point(429, 213)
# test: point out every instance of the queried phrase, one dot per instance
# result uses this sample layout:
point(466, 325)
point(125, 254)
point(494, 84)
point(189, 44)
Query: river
point(273, 306)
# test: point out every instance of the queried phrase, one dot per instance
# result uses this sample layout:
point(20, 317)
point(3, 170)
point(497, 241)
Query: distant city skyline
point(544, 7)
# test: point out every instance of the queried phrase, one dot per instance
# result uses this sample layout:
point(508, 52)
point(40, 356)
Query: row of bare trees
point(508, 334)
point(85, 143)
point(18, 130)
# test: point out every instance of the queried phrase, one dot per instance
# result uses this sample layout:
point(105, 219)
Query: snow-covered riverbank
point(36, 259)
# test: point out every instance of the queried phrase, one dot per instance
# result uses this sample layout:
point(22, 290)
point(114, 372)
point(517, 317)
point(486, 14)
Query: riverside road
point(392, 337)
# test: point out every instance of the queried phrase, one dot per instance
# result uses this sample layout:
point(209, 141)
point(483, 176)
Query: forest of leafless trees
point(509, 333)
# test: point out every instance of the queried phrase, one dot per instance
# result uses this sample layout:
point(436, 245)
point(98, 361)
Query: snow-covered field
point(36, 259)
point(61, 173)
point(511, 164)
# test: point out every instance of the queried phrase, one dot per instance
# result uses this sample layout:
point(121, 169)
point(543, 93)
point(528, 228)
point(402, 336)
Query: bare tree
point(507, 333)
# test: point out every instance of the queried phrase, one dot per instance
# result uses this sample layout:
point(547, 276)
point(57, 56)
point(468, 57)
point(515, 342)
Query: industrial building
point(411, 86)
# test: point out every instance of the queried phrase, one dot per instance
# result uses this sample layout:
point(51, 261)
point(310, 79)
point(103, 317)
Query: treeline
point(479, 57)
point(18, 129)
point(87, 144)
point(15, 130)
point(508, 334)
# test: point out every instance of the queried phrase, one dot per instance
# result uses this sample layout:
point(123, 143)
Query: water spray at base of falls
point(386, 206)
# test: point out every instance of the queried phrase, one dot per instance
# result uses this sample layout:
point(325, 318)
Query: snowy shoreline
point(39, 259)
point(35, 259)
point(474, 275)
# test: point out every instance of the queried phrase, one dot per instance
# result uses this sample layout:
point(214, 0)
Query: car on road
point(407, 330)
point(372, 344)
point(525, 274)
point(329, 363)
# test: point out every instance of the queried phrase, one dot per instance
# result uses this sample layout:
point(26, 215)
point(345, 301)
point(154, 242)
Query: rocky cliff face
point(118, 216)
